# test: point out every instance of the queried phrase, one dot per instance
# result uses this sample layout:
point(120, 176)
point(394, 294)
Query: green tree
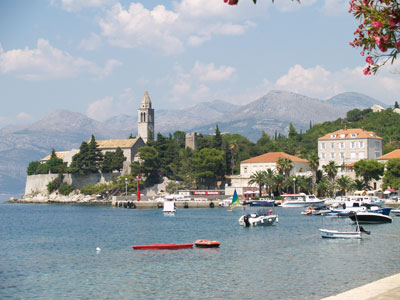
point(368, 170)
point(208, 165)
point(33, 167)
point(279, 180)
point(396, 104)
point(344, 183)
point(313, 161)
point(259, 179)
point(284, 166)
point(56, 165)
point(217, 139)
point(149, 165)
point(118, 160)
point(269, 181)
point(331, 170)
point(392, 174)
point(95, 156)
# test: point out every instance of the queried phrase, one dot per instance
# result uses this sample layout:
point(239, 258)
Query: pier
point(132, 202)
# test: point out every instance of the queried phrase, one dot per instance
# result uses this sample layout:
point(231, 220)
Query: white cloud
point(107, 107)
point(100, 109)
point(92, 43)
point(191, 86)
point(24, 117)
point(76, 5)
point(47, 62)
point(169, 31)
point(336, 7)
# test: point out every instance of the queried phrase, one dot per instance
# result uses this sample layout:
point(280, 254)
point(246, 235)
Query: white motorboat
point(225, 202)
point(396, 212)
point(357, 201)
point(301, 200)
point(169, 208)
point(334, 234)
point(259, 219)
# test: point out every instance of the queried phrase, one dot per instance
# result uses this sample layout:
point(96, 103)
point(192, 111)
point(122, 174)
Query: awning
point(250, 192)
point(387, 192)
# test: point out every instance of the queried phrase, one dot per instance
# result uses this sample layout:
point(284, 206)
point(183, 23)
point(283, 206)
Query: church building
point(146, 119)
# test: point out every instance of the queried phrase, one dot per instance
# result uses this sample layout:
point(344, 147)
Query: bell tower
point(146, 118)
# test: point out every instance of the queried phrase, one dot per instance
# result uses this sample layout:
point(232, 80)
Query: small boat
point(370, 218)
point(334, 234)
point(316, 211)
point(169, 208)
point(301, 200)
point(396, 212)
point(206, 244)
point(162, 246)
point(262, 202)
point(259, 219)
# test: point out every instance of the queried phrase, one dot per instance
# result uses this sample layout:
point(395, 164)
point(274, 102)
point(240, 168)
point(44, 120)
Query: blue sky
point(98, 57)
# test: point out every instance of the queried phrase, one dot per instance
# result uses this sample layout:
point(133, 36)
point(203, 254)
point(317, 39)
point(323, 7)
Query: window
point(377, 154)
point(245, 170)
point(353, 135)
point(332, 145)
point(332, 155)
point(353, 145)
point(342, 135)
point(323, 146)
point(361, 144)
point(377, 144)
point(352, 155)
point(333, 136)
point(323, 155)
point(341, 155)
point(341, 145)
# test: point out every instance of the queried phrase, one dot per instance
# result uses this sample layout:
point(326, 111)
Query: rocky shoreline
point(57, 198)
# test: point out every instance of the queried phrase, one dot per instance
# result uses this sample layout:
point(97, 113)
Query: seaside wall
point(38, 183)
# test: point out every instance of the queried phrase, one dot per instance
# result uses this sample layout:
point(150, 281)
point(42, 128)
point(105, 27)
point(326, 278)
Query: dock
point(384, 289)
point(132, 202)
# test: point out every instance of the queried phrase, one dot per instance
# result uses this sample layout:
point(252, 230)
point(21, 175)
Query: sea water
point(48, 251)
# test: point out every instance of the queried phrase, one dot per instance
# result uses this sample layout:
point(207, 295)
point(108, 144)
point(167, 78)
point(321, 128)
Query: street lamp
point(126, 186)
point(294, 185)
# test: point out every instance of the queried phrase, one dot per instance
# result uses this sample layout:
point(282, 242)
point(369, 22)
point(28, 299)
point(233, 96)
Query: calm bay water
point(49, 252)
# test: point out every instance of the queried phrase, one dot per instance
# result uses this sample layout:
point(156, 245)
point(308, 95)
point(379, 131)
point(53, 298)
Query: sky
point(97, 57)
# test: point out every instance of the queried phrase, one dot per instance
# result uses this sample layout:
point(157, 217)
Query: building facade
point(146, 118)
point(248, 167)
point(347, 146)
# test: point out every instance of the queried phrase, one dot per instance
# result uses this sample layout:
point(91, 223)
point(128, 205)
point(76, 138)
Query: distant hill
point(354, 100)
point(64, 130)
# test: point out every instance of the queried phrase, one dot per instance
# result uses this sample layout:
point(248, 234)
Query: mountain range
point(64, 130)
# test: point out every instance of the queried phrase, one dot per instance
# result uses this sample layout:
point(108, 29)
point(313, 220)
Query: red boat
point(207, 244)
point(162, 246)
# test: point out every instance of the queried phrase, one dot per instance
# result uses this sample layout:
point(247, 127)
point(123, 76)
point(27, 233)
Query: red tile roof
point(273, 157)
point(390, 155)
point(361, 133)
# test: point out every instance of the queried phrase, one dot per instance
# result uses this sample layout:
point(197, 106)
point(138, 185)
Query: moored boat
point(396, 212)
point(169, 207)
point(260, 218)
point(301, 200)
point(370, 218)
point(206, 244)
point(335, 234)
point(262, 202)
point(162, 246)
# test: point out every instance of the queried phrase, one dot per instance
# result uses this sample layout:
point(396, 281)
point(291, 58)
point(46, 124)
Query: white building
point(262, 163)
point(347, 146)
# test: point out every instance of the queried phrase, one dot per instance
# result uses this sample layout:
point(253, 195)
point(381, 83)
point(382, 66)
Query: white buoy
point(98, 249)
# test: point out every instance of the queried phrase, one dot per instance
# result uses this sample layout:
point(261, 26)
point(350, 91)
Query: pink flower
point(367, 71)
point(397, 45)
point(351, 44)
point(392, 22)
point(377, 24)
point(232, 2)
point(362, 53)
point(369, 60)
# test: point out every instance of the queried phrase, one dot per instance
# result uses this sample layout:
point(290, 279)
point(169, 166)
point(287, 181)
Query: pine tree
point(118, 160)
point(396, 105)
point(217, 140)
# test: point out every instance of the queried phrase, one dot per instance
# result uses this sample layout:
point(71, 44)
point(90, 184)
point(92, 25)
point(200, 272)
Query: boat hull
point(303, 203)
point(206, 244)
point(258, 221)
point(370, 218)
point(162, 246)
point(263, 203)
point(334, 234)
point(396, 212)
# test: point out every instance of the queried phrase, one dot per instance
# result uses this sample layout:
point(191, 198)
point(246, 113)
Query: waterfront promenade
point(384, 289)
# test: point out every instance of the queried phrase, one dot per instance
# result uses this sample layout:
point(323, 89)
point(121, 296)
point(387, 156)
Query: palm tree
point(331, 170)
point(269, 180)
point(344, 183)
point(284, 165)
point(279, 179)
point(313, 161)
point(258, 178)
point(304, 184)
point(358, 185)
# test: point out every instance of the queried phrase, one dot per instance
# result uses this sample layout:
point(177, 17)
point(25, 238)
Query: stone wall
point(38, 183)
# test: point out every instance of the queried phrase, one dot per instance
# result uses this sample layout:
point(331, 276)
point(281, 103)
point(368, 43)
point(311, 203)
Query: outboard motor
point(246, 220)
point(365, 231)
